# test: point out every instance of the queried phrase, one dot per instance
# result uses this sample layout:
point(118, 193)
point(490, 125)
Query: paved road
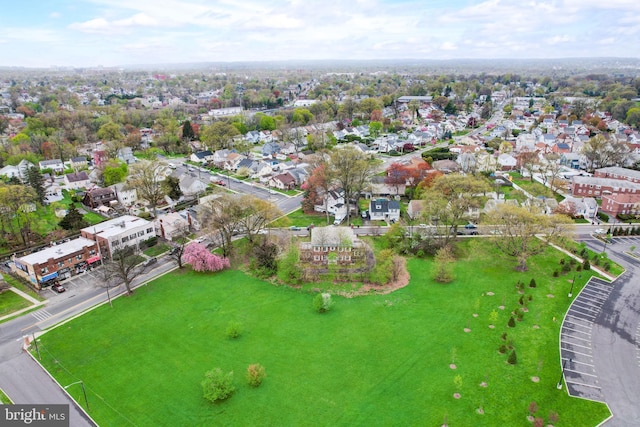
point(614, 336)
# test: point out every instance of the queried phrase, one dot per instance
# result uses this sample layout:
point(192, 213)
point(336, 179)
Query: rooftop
point(57, 251)
point(117, 226)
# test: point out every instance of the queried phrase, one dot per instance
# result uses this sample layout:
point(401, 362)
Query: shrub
point(322, 302)
point(607, 266)
point(502, 349)
point(503, 336)
point(255, 374)
point(556, 273)
point(586, 265)
point(579, 267)
point(562, 261)
point(217, 385)
point(533, 408)
point(532, 283)
point(566, 268)
point(511, 323)
point(234, 329)
point(512, 359)
point(572, 261)
point(553, 417)
point(521, 300)
point(603, 216)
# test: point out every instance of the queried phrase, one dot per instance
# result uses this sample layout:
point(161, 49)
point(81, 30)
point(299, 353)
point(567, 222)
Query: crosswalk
point(41, 315)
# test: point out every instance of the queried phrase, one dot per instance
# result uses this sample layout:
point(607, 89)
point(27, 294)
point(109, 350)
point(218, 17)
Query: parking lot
point(576, 342)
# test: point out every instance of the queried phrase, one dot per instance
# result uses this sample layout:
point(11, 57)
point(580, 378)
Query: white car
point(600, 231)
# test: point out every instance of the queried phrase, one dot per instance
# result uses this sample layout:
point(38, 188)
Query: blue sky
point(125, 32)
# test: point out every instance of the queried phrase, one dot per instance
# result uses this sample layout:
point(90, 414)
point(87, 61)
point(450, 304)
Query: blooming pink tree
point(201, 259)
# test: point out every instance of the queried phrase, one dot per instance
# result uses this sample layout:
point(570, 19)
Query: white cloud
point(97, 25)
point(559, 39)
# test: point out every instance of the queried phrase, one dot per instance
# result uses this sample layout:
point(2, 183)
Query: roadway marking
point(582, 373)
point(577, 345)
point(582, 363)
point(41, 315)
point(585, 385)
point(568, 329)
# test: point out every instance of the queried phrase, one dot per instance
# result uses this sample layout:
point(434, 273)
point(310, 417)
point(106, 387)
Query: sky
point(87, 33)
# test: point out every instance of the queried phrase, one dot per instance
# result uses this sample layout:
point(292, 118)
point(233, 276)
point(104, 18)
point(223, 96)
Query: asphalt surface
point(600, 336)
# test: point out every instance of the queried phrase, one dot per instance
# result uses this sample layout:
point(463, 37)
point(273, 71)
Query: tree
point(73, 220)
point(255, 374)
point(201, 259)
point(222, 216)
point(528, 161)
point(414, 106)
point(147, 177)
point(124, 267)
point(442, 261)
point(450, 108)
point(633, 117)
point(217, 385)
point(255, 214)
point(368, 106)
point(601, 153)
point(15, 204)
point(396, 176)
point(317, 189)
point(114, 172)
point(375, 128)
point(516, 228)
point(36, 181)
point(110, 132)
point(267, 122)
point(351, 170)
point(218, 135)
point(450, 200)
point(188, 134)
point(171, 187)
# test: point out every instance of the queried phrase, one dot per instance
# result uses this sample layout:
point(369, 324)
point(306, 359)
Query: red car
point(58, 288)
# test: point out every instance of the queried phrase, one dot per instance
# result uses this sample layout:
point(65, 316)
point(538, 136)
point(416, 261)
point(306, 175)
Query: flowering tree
point(201, 259)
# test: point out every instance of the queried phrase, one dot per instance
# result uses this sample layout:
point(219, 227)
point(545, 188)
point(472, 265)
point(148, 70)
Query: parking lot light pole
point(86, 402)
point(564, 365)
point(572, 283)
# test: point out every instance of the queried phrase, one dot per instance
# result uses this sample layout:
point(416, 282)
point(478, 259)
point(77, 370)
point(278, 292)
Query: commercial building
point(118, 233)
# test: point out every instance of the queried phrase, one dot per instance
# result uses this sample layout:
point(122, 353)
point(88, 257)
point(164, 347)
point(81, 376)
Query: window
point(60, 264)
point(140, 233)
point(45, 270)
point(125, 239)
point(79, 257)
point(116, 243)
point(132, 236)
point(149, 230)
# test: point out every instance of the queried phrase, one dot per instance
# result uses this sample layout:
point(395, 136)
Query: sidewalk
point(35, 304)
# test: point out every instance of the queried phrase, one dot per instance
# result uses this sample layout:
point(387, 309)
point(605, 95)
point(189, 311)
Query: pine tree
point(512, 359)
point(187, 131)
point(35, 180)
point(73, 219)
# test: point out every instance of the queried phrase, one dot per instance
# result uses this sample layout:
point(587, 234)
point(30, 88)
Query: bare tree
point(124, 267)
point(147, 178)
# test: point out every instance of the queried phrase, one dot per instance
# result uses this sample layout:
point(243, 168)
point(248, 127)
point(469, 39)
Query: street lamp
point(86, 402)
point(572, 283)
point(564, 365)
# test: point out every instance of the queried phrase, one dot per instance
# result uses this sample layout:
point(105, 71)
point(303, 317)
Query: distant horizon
point(591, 62)
point(125, 33)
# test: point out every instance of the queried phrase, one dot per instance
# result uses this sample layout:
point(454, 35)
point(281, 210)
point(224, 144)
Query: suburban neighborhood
point(440, 214)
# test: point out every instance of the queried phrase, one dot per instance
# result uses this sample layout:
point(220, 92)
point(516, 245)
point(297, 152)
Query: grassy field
point(374, 360)
point(11, 302)
point(21, 286)
point(157, 250)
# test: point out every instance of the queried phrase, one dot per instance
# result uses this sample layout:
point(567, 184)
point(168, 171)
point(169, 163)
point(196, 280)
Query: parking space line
point(581, 373)
point(577, 352)
point(576, 338)
point(582, 384)
point(571, 316)
point(577, 345)
point(582, 363)
point(568, 329)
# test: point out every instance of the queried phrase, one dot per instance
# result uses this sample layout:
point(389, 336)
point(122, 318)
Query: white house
point(126, 196)
point(586, 207)
point(55, 164)
point(507, 161)
point(77, 180)
point(118, 233)
point(384, 210)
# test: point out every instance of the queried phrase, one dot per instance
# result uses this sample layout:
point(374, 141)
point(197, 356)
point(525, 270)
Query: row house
point(625, 204)
point(332, 245)
point(54, 263)
point(597, 187)
point(119, 233)
point(615, 172)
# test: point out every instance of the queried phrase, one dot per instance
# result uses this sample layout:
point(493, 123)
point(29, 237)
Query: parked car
point(294, 228)
point(57, 287)
point(364, 214)
point(150, 261)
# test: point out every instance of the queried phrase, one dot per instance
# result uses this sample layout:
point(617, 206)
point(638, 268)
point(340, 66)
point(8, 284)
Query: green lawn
point(4, 398)
point(374, 360)
point(157, 250)
point(11, 302)
point(21, 286)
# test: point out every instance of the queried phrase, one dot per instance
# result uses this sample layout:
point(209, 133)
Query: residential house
point(233, 161)
point(55, 165)
point(625, 204)
point(570, 160)
point(191, 185)
point(57, 262)
point(507, 162)
point(174, 225)
point(77, 180)
point(384, 210)
point(126, 196)
point(415, 208)
point(261, 169)
point(10, 171)
point(100, 158)
point(119, 233)
point(332, 245)
point(270, 149)
point(97, 197)
point(378, 187)
point(220, 157)
point(586, 207)
point(334, 203)
point(202, 157)
point(125, 154)
point(52, 192)
point(446, 166)
point(78, 163)
point(283, 181)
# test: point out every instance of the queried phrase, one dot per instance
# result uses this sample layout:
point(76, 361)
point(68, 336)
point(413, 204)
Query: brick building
point(58, 262)
point(615, 172)
point(332, 245)
point(586, 186)
point(119, 233)
point(626, 204)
